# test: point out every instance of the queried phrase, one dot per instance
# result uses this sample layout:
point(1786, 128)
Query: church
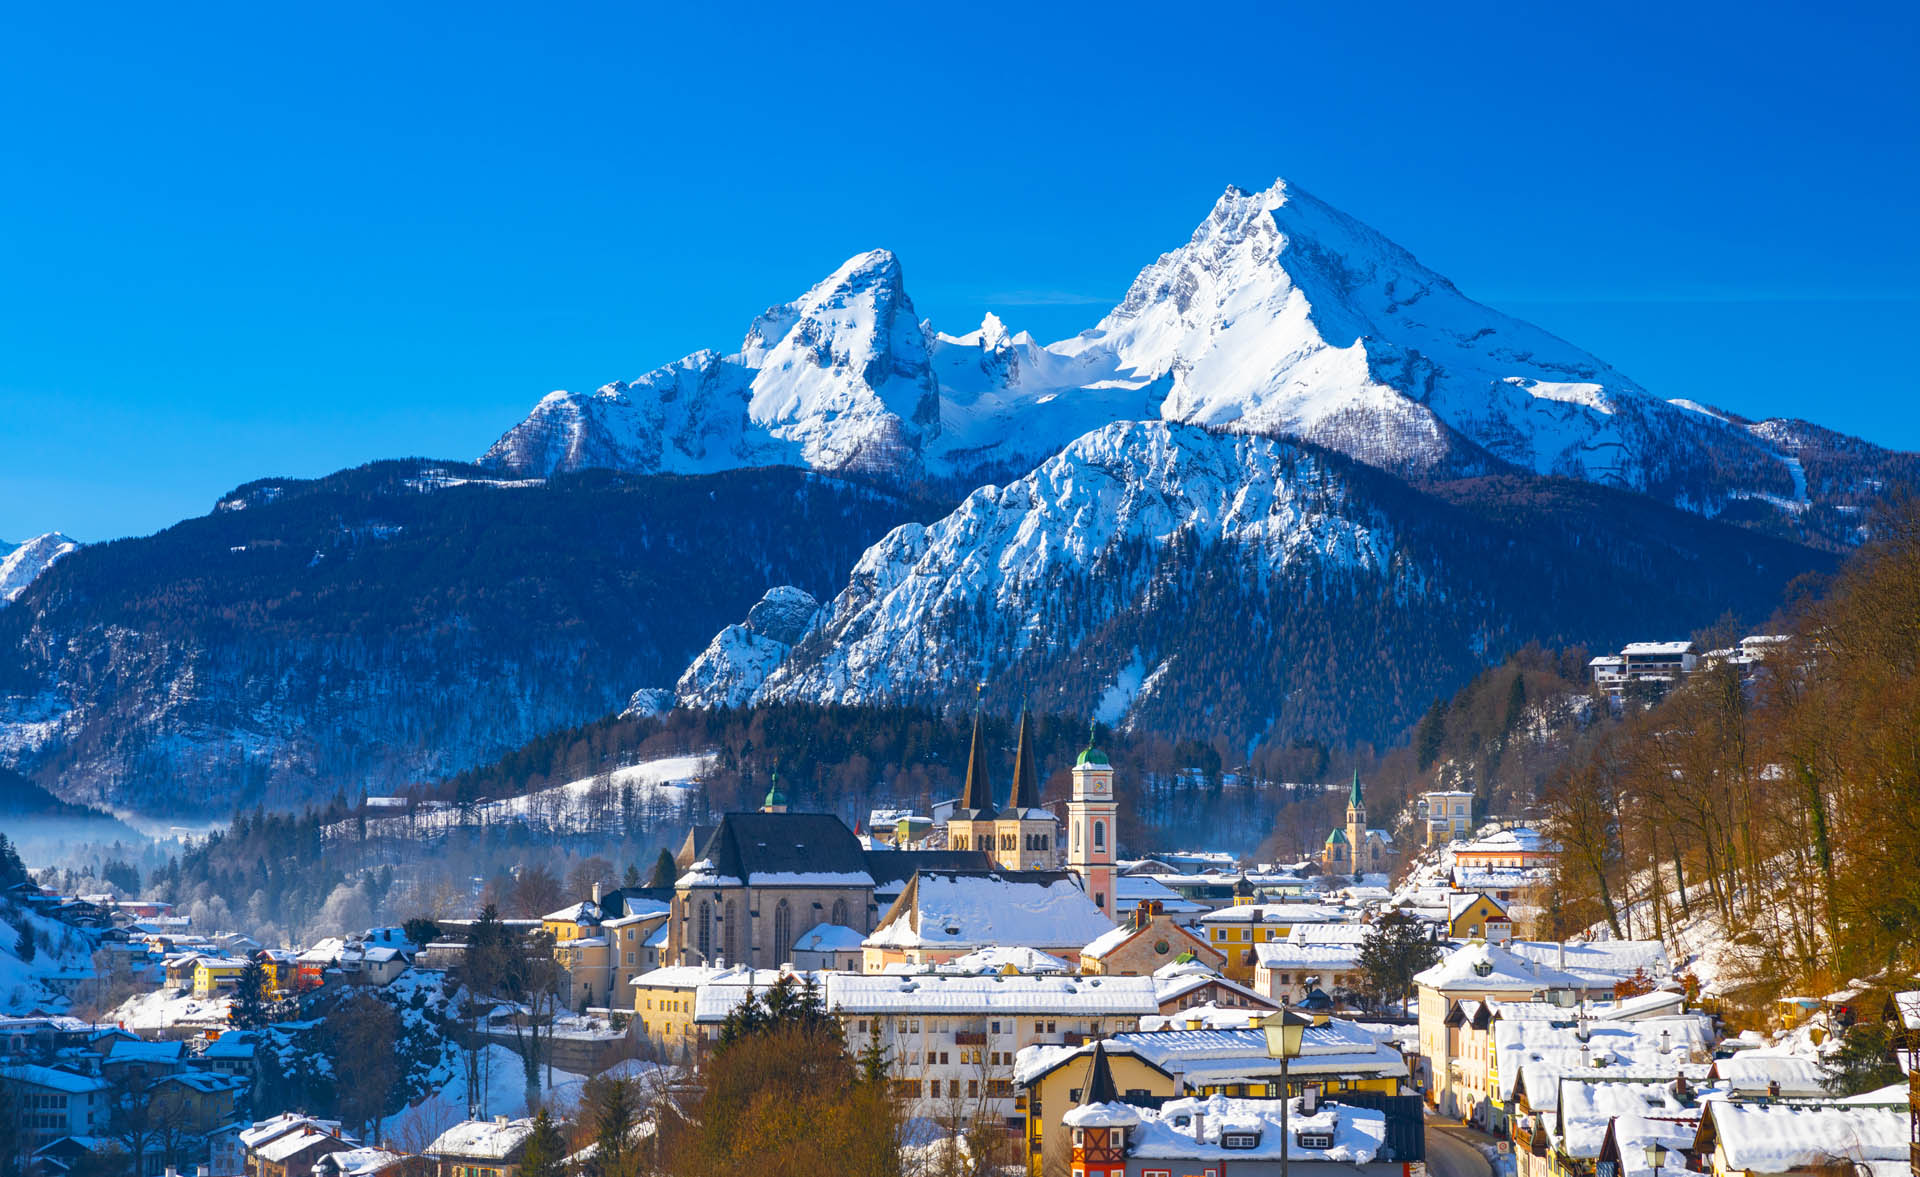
point(1356, 849)
point(1023, 836)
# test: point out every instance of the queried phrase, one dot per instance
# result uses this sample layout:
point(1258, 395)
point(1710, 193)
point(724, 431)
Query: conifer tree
point(664, 872)
point(250, 1009)
point(546, 1151)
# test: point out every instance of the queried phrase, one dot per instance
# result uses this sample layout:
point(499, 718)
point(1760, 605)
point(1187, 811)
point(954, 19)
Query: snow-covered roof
point(361, 1162)
point(1777, 1139)
point(638, 911)
point(1171, 985)
point(1586, 1108)
point(997, 959)
point(1275, 913)
point(1286, 954)
point(584, 912)
point(829, 938)
point(727, 989)
point(1130, 890)
point(140, 1051)
point(1517, 839)
point(1328, 933)
point(1035, 909)
point(264, 1130)
point(1755, 1071)
point(1101, 1115)
point(1643, 649)
point(1458, 905)
point(998, 993)
point(1909, 1006)
point(53, 1079)
point(1196, 1128)
point(1490, 968)
point(293, 1143)
point(490, 1139)
point(1599, 961)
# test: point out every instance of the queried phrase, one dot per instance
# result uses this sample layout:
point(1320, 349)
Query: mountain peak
point(20, 566)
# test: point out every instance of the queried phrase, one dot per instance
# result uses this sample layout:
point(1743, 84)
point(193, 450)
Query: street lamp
point(1656, 1156)
point(1284, 1031)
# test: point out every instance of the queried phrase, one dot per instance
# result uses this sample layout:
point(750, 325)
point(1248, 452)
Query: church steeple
point(1353, 797)
point(1026, 771)
point(976, 799)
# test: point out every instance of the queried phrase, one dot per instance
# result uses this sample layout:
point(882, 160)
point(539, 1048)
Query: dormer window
point(1316, 1140)
point(1240, 1140)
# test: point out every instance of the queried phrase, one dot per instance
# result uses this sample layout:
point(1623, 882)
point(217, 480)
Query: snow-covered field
point(658, 787)
point(26, 985)
point(158, 1009)
point(506, 1095)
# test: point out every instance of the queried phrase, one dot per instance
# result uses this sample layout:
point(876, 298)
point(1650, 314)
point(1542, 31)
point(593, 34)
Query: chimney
point(500, 1121)
point(596, 892)
point(201, 1171)
point(1199, 1126)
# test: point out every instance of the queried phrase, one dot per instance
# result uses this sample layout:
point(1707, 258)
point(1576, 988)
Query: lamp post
point(1656, 1156)
point(1284, 1030)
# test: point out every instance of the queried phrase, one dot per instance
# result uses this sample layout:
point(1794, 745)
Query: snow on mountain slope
point(1280, 315)
point(20, 566)
point(1283, 315)
point(740, 657)
point(931, 606)
point(839, 379)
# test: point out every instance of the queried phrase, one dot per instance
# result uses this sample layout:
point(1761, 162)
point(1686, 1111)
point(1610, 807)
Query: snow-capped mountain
point(740, 657)
point(23, 563)
point(1206, 583)
point(839, 379)
point(964, 598)
point(1280, 315)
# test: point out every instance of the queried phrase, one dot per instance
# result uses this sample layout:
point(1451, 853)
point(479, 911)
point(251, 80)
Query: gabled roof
point(481, 1138)
point(1458, 905)
point(892, 868)
point(772, 849)
point(973, 909)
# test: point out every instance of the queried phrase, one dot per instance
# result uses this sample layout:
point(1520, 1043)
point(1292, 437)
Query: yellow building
point(1474, 916)
point(1335, 1055)
point(663, 1006)
point(216, 974)
point(1234, 931)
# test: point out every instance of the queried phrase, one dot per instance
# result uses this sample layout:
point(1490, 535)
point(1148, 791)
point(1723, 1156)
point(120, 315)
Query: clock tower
point(1091, 814)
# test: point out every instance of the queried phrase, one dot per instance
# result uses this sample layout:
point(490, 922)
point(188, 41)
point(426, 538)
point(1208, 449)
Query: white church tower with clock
point(1091, 814)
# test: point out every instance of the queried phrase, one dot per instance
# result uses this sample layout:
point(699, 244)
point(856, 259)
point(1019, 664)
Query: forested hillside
point(1778, 816)
point(392, 623)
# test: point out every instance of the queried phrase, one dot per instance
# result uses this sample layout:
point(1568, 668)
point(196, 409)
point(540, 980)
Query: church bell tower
point(1091, 814)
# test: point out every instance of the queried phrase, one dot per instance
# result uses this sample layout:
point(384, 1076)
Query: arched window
point(704, 931)
point(1099, 835)
point(730, 933)
point(840, 913)
point(782, 933)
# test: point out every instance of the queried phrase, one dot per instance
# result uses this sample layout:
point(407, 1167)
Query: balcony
point(970, 1038)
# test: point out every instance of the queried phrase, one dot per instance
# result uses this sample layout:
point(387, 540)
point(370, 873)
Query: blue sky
point(251, 241)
